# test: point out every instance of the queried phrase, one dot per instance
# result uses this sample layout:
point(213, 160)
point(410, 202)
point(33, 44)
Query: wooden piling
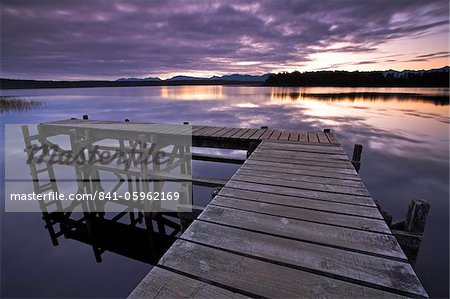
point(409, 232)
point(356, 159)
point(416, 216)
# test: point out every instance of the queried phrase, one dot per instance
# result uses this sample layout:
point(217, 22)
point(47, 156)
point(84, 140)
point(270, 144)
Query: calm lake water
point(405, 133)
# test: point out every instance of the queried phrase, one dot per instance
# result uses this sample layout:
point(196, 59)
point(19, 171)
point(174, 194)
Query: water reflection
point(194, 92)
point(16, 104)
point(122, 233)
point(406, 145)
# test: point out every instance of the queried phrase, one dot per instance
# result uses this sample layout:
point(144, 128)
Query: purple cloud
point(110, 39)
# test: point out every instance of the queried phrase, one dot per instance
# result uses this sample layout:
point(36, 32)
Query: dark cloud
point(109, 39)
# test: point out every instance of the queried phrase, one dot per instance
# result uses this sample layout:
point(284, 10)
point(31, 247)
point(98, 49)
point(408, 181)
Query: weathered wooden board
point(293, 136)
point(284, 135)
point(210, 132)
point(230, 133)
point(239, 133)
point(299, 177)
point(332, 138)
point(222, 132)
point(258, 134)
point(288, 146)
point(275, 135)
point(359, 268)
point(335, 164)
point(322, 137)
point(267, 134)
point(290, 201)
point(312, 137)
point(304, 167)
point(285, 168)
point(340, 237)
point(160, 283)
point(321, 187)
point(258, 278)
point(248, 134)
point(325, 196)
point(375, 225)
point(303, 136)
point(291, 154)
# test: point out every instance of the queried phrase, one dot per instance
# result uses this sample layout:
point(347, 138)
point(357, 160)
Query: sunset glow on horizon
point(72, 40)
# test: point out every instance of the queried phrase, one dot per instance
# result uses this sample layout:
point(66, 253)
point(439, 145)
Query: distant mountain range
point(390, 78)
point(233, 77)
point(153, 79)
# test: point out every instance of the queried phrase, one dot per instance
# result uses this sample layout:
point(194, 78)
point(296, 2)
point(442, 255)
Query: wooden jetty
point(295, 221)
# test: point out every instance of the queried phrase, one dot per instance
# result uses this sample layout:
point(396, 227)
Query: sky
point(108, 39)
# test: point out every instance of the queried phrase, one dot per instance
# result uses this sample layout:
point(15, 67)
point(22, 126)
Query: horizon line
point(230, 74)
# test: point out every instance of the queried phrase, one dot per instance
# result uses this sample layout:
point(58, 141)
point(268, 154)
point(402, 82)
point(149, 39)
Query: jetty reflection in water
point(155, 156)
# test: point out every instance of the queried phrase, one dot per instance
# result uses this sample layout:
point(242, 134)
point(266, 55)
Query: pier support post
point(409, 232)
point(356, 159)
point(416, 217)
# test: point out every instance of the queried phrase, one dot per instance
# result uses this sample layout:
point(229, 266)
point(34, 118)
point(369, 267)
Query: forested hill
point(429, 78)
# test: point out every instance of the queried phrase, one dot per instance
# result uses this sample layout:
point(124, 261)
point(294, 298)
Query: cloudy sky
point(108, 39)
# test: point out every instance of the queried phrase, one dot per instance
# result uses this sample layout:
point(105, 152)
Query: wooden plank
point(358, 268)
point(302, 161)
point(160, 283)
point(294, 136)
point(267, 134)
point(324, 196)
point(335, 190)
point(284, 135)
point(230, 133)
point(319, 152)
point(302, 142)
point(327, 170)
point(261, 172)
point(302, 155)
point(275, 135)
point(258, 134)
point(303, 148)
point(222, 132)
point(208, 133)
point(300, 202)
point(332, 138)
point(255, 277)
point(375, 225)
point(312, 137)
point(196, 128)
point(201, 131)
point(322, 137)
point(248, 134)
point(334, 236)
point(239, 133)
point(303, 136)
